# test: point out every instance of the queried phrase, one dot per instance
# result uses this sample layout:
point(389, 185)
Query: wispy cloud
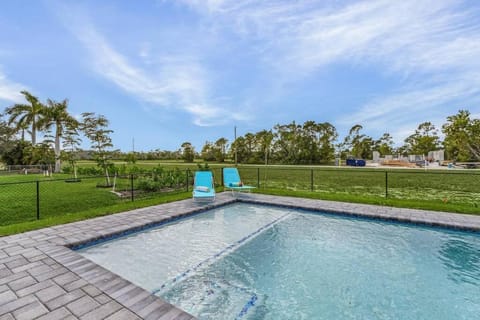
point(431, 47)
point(404, 110)
point(10, 90)
point(172, 81)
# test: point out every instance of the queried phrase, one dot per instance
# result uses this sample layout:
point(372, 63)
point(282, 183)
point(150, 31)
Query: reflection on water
point(461, 259)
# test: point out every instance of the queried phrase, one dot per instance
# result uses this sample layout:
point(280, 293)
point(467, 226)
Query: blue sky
point(165, 72)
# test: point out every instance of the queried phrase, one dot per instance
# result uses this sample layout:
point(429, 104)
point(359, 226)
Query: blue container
point(351, 162)
point(360, 163)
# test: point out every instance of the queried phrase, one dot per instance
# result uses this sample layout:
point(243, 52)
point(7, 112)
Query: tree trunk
point(58, 163)
point(34, 132)
point(107, 177)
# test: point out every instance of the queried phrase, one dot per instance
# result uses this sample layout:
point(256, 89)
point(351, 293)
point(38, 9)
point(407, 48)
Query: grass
point(61, 202)
point(56, 196)
point(399, 203)
point(90, 213)
point(439, 190)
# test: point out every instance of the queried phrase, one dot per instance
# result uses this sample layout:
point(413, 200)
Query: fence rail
point(30, 200)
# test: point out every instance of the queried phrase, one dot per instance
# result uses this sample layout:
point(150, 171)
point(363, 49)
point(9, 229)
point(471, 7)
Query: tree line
point(318, 143)
point(61, 134)
point(312, 142)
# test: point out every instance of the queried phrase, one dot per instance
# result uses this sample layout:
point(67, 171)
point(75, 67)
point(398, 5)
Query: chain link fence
point(442, 186)
point(32, 200)
point(39, 199)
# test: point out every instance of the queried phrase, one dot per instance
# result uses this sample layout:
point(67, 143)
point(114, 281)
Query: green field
point(60, 202)
point(56, 197)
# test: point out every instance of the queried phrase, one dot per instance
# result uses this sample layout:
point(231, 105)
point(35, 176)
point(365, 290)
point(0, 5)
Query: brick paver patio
point(42, 278)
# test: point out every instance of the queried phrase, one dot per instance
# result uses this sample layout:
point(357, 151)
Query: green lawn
point(56, 197)
point(454, 191)
point(61, 202)
point(61, 217)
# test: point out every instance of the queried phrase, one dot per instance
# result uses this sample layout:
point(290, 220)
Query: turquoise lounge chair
point(203, 187)
point(232, 181)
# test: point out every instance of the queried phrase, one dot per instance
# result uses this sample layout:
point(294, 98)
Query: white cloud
point(9, 90)
point(431, 46)
point(171, 81)
point(397, 34)
point(216, 6)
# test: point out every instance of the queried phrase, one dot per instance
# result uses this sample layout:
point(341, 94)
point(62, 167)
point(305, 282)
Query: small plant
point(71, 143)
point(159, 178)
point(148, 184)
point(95, 129)
point(131, 157)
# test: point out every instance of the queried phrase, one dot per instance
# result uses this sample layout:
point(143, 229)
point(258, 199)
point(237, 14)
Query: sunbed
point(232, 181)
point(203, 187)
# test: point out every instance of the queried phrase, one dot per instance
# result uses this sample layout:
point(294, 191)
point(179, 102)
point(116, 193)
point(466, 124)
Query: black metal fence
point(38, 199)
point(460, 187)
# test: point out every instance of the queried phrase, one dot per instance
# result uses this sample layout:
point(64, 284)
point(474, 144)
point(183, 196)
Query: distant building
point(438, 155)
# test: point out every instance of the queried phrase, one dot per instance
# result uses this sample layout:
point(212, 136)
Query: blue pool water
point(257, 262)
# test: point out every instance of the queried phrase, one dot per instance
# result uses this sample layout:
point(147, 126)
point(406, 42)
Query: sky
point(165, 72)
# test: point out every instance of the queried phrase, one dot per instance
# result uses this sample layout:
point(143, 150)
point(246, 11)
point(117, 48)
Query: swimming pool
point(246, 261)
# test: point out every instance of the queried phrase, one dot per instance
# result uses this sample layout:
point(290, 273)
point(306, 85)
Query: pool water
point(258, 262)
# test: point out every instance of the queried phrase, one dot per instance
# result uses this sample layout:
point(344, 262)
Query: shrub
point(148, 184)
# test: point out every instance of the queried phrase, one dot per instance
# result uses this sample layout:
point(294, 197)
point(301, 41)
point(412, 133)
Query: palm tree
point(56, 114)
point(24, 115)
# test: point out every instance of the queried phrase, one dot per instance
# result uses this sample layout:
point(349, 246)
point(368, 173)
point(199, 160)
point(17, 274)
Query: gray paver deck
point(40, 277)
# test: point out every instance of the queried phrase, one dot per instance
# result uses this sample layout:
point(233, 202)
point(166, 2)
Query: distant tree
point(286, 146)
point(16, 152)
point(188, 153)
point(424, 139)
point(403, 150)
point(264, 138)
point(326, 140)
point(27, 115)
point(358, 145)
point(307, 144)
point(71, 144)
point(55, 114)
point(345, 147)
point(96, 130)
point(7, 139)
point(288, 143)
point(384, 145)
point(250, 145)
point(241, 148)
point(208, 151)
point(131, 157)
point(221, 149)
point(462, 137)
point(42, 153)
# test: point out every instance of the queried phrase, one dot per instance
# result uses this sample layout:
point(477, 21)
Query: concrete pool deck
point(42, 278)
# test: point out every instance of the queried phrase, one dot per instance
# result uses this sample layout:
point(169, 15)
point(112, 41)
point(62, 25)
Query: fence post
point(131, 187)
point(386, 184)
point(258, 177)
point(188, 173)
point(221, 182)
point(38, 200)
point(311, 180)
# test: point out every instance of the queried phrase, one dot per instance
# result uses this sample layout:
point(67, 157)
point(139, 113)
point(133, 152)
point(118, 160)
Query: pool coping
point(41, 277)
